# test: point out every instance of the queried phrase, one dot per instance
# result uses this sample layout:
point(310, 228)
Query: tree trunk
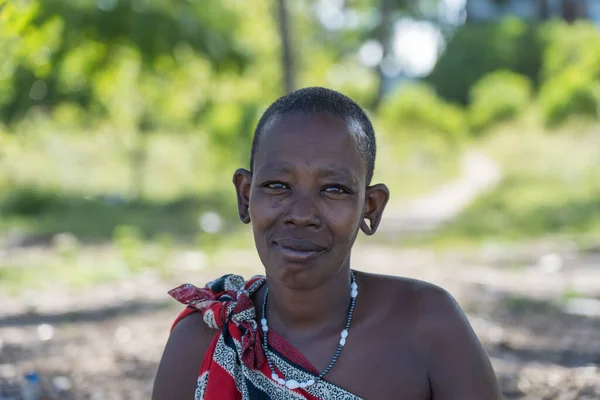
point(469, 18)
point(287, 58)
point(543, 10)
point(384, 35)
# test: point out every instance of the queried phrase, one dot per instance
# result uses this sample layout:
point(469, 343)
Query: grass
point(54, 181)
point(551, 188)
point(18, 278)
point(413, 168)
point(68, 263)
point(40, 214)
point(99, 162)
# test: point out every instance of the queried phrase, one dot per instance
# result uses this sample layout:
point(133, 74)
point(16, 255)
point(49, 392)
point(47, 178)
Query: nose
point(303, 212)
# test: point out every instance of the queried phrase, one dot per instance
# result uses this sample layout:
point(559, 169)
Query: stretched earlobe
point(377, 197)
point(366, 228)
point(242, 180)
point(245, 218)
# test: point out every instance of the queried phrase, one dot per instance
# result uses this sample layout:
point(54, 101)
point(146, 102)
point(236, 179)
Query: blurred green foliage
point(416, 109)
point(561, 60)
point(135, 67)
point(91, 52)
point(476, 50)
point(570, 45)
point(571, 72)
point(571, 93)
point(498, 96)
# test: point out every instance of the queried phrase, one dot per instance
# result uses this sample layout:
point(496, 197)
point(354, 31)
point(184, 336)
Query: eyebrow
point(335, 171)
point(277, 166)
point(327, 172)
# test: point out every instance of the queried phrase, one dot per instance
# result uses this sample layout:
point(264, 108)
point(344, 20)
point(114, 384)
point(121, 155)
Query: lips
point(298, 250)
point(299, 244)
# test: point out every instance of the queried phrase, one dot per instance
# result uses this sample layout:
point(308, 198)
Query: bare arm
point(180, 364)
point(458, 366)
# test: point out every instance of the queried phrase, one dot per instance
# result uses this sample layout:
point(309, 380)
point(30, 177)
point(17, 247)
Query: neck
point(314, 310)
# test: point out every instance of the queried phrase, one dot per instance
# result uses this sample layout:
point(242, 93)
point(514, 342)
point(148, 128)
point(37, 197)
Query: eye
point(275, 186)
point(336, 189)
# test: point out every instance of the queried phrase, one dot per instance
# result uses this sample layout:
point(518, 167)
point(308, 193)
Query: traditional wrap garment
point(234, 366)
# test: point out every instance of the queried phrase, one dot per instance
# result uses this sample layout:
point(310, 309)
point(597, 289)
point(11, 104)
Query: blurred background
point(122, 121)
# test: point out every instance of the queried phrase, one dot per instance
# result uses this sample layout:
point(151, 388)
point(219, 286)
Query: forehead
point(322, 141)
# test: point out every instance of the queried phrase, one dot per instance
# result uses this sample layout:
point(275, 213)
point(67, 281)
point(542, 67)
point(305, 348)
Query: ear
point(242, 179)
point(377, 197)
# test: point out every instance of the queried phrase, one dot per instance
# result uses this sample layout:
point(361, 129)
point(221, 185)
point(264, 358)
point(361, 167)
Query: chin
point(299, 276)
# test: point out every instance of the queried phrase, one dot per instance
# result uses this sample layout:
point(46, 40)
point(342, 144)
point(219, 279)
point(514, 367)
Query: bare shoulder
point(457, 365)
point(181, 360)
point(435, 312)
point(422, 298)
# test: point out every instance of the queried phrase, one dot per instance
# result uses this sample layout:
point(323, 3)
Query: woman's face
point(306, 199)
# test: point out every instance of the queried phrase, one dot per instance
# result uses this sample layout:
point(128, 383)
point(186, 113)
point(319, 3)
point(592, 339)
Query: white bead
point(303, 385)
point(274, 376)
point(354, 286)
point(265, 328)
point(292, 384)
point(310, 382)
point(281, 381)
point(344, 333)
point(354, 293)
point(263, 321)
point(342, 341)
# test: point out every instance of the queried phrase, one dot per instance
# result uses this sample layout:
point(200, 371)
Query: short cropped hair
point(318, 100)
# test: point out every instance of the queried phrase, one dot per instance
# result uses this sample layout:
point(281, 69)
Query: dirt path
point(479, 174)
point(105, 343)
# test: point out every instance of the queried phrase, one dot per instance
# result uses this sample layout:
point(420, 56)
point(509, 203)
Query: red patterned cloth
point(234, 366)
point(228, 305)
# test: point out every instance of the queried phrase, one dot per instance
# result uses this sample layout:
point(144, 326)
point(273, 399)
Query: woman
point(314, 328)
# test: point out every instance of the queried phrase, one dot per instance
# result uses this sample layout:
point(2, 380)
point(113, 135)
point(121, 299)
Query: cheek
point(345, 220)
point(263, 212)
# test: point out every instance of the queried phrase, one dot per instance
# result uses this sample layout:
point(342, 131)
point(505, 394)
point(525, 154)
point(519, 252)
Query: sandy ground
point(537, 316)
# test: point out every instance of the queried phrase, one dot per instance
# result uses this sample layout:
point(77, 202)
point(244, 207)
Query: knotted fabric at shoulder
point(226, 302)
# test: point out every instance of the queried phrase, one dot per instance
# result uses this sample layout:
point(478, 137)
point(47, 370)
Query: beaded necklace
point(292, 383)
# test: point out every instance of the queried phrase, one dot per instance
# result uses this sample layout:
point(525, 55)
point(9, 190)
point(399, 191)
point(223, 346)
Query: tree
point(384, 34)
point(287, 57)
